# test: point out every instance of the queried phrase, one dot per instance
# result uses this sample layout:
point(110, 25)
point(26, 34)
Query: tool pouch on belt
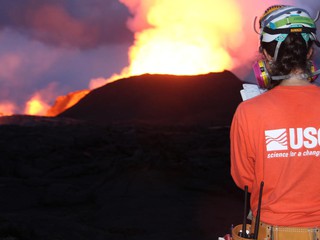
point(236, 230)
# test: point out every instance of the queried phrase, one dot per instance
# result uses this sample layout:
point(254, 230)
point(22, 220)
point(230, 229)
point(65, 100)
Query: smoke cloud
point(66, 23)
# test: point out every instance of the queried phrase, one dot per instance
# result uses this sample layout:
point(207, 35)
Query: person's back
point(275, 137)
point(281, 132)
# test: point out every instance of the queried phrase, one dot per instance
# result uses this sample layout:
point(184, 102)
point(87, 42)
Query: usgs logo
point(293, 138)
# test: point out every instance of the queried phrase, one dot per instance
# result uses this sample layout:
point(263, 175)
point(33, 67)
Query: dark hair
point(292, 55)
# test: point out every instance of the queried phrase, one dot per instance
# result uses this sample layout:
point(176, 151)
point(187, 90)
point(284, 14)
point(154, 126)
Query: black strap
point(289, 30)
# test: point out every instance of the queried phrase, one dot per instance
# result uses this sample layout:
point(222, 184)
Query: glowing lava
point(7, 108)
point(182, 37)
point(64, 102)
point(36, 106)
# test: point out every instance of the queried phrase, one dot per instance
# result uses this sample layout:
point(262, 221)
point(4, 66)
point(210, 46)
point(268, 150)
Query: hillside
point(208, 99)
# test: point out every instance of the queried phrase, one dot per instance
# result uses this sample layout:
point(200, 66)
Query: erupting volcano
point(178, 37)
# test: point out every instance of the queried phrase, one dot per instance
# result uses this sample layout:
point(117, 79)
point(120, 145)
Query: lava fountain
point(181, 37)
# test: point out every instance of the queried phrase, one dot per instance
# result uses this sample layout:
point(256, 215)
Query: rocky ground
point(61, 179)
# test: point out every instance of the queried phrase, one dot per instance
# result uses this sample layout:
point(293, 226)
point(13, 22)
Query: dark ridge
point(208, 99)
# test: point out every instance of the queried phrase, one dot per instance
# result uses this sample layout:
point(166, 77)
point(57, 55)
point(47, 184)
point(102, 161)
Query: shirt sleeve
point(241, 154)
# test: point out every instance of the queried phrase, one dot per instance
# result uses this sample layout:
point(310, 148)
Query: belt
point(271, 232)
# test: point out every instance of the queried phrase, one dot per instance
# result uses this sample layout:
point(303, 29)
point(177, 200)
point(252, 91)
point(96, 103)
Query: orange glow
point(64, 102)
point(182, 36)
point(7, 108)
point(36, 106)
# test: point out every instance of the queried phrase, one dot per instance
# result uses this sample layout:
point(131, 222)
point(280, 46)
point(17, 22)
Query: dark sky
point(57, 46)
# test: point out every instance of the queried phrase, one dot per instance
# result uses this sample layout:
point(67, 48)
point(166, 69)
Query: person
point(275, 137)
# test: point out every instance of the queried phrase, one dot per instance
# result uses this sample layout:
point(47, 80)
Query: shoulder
point(255, 102)
point(254, 108)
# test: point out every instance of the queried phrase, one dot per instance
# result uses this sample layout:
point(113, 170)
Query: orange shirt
point(275, 138)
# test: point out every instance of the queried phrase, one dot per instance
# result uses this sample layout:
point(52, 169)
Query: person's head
point(287, 35)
